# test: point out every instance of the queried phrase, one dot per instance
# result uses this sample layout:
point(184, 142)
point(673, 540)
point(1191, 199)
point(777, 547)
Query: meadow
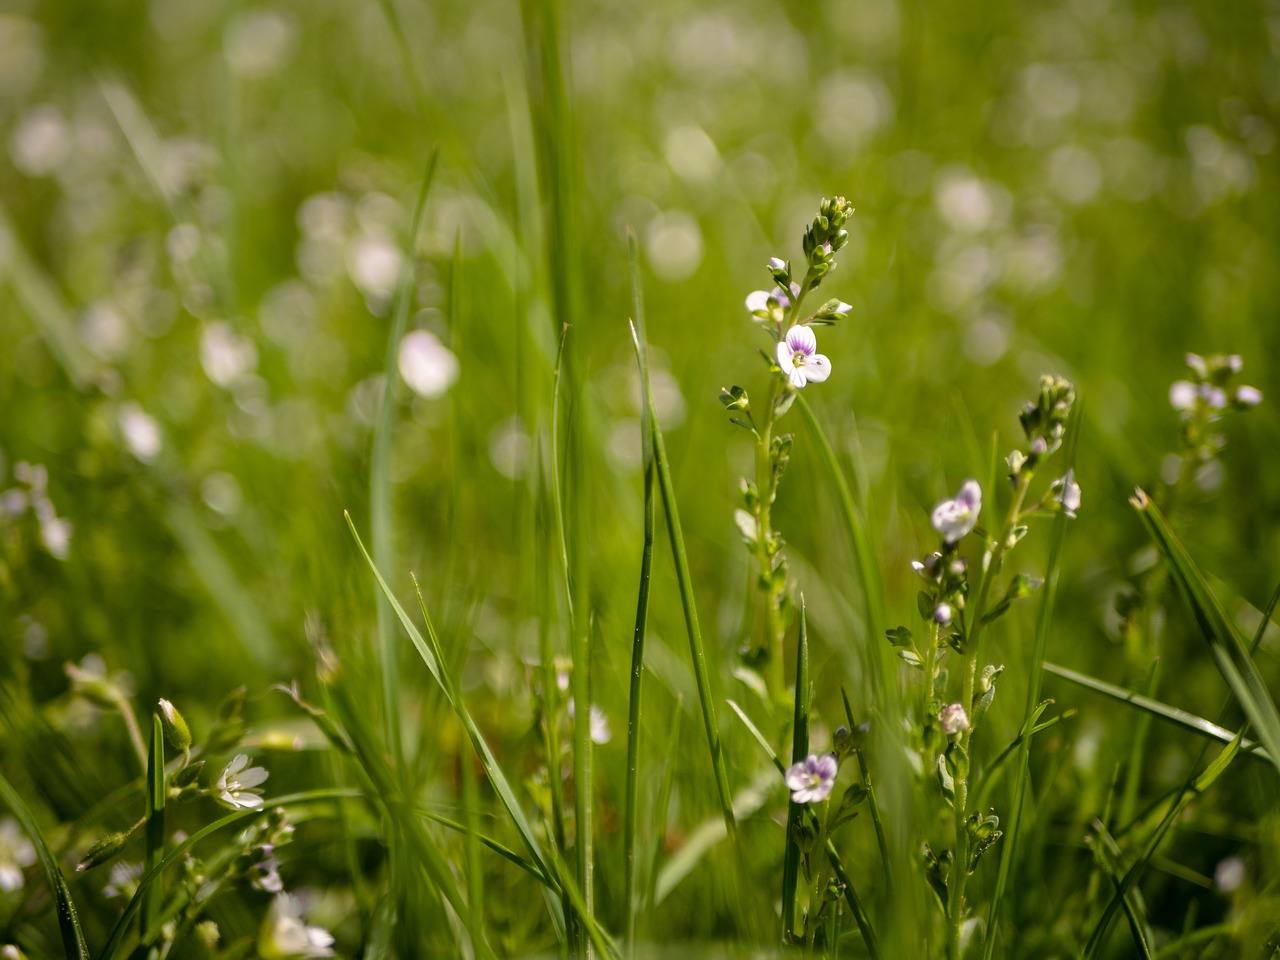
point(555, 479)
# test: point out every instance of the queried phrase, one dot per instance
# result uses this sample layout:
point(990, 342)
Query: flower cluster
point(1201, 402)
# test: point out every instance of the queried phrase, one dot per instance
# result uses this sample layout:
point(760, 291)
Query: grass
point(217, 229)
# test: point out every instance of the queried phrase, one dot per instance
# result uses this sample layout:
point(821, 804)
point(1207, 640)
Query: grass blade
point(634, 701)
point(380, 475)
point(1229, 652)
point(1159, 710)
point(795, 811)
point(676, 535)
point(1107, 853)
point(73, 944)
point(154, 836)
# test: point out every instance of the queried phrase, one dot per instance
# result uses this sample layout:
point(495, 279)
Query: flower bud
point(953, 719)
point(176, 731)
point(102, 851)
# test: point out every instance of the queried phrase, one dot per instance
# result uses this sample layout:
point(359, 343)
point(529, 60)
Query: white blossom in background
point(1066, 493)
point(284, 935)
point(509, 448)
point(374, 263)
point(16, 853)
point(225, 355)
point(141, 432)
point(257, 42)
point(426, 364)
point(601, 732)
point(40, 142)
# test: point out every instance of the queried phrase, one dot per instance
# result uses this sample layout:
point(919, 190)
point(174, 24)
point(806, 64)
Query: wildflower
point(16, 852)
point(427, 365)
point(953, 719)
point(1248, 396)
point(812, 779)
point(236, 785)
point(123, 880)
point(768, 305)
point(1066, 493)
point(942, 614)
point(798, 359)
point(600, 730)
point(284, 935)
point(956, 518)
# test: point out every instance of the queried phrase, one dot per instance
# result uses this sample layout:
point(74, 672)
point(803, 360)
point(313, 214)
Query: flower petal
point(797, 376)
point(801, 340)
point(758, 300)
point(784, 355)
point(817, 368)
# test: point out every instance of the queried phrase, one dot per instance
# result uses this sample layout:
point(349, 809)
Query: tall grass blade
point(795, 811)
point(1233, 659)
point(1159, 710)
point(380, 475)
point(73, 944)
point(1108, 855)
point(634, 701)
point(154, 830)
point(674, 532)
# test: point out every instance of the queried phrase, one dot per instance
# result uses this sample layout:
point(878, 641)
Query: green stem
point(973, 653)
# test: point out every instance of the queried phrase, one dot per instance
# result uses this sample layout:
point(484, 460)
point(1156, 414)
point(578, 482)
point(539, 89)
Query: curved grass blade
point(676, 535)
point(634, 702)
point(1108, 855)
point(1229, 652)
point(496, 846)
point(73, 944)
point(1159, 710)
point(380, 473)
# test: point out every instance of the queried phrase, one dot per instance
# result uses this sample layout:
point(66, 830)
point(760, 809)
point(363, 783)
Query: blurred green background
point(205, 208)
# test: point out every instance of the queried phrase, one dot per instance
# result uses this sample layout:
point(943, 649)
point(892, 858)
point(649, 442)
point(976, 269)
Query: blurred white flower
point(953, 719)
point(141, 432)
point(256, 42)
point(236, 784)
point(225, 355)
point(426, 364)
point(284, 935)
point(601, 732)
point(40, 142)
point(1229, 874)
point(374, 263)
point(954, 519)
point(1066, 493)
point(1248, 396)
point(16, 852)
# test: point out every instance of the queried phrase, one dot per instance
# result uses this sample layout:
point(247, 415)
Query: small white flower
point(777, 263)
point(426, 364)
point(813, 778)
point(284, 935)
point(799, 360)
point(1066, 493)
point(942, 614)
point(16, 853)
point(1182, 395)
point(600, 729)
point(236, 784)
point(953, 719)
point(956, 518)
point(769, 305)
point(141, 432)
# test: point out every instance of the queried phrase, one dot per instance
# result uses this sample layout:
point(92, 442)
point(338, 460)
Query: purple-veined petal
point(802, 340)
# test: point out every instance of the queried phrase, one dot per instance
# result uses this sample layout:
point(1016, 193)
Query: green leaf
point(73, 944)
point(899, 637)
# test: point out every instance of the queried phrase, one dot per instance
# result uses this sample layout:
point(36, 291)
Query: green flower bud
point(102, 851)
point(176, 731)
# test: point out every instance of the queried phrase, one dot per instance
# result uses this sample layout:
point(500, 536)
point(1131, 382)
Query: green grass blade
point(1189, 790)
point(675, 534)
point(1108, 855)
point(1229, 652)
point(759, 737)
point(73, 944)
point(380, 475)
point(154, 831)
point(1157, 709)
point(880, 667)
point(471, 839)
point(855, 902)
point(634, 700)
point(501, 849)
point(795, 811)
point(662, 806)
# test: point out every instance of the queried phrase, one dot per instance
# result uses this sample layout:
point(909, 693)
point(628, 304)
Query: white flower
point(426, 364)
point(953, 719)
point(769, 305)
point(141, 432)
point(812, 779)
point(284, 935)
point(1182, 395)
point(1066, 493)
point(955, 518)
point(16, 852)
point(600, 730)
point(799, 360)
point(236, 784)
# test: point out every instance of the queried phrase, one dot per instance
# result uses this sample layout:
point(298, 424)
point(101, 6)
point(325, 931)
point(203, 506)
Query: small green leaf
point(899, 637)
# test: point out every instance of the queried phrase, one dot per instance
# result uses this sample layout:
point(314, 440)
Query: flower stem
point(973, 653)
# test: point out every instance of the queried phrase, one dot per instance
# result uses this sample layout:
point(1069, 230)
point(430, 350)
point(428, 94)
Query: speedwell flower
point(812, 779)
point(769, 305)
point(955, 518)
point(799, 359)
point(953, 719)
point(236, 785)
point(1066, 493)
point(284, 935)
